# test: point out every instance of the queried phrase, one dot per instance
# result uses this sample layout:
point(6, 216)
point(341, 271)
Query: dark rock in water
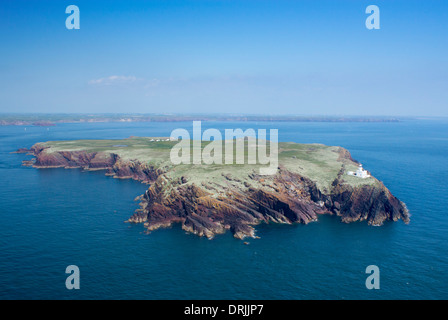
point(22, 150)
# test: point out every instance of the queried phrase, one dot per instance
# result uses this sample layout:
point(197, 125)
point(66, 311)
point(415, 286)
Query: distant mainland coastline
point(54, 119)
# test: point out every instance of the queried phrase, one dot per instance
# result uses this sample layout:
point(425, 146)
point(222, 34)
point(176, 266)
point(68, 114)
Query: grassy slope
point(318, 162)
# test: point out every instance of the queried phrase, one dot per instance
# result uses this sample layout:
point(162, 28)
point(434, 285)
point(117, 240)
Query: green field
point(317, 162)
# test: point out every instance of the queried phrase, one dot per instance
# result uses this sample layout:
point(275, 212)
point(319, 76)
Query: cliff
point(208, 200)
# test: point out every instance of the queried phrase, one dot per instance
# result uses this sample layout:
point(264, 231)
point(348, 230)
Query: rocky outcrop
point(375, 204)
point(110, 162)
point(293, 199)
point(237, 204)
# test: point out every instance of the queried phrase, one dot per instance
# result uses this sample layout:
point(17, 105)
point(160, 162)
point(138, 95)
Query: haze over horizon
point(43, 116)
point(307, 58)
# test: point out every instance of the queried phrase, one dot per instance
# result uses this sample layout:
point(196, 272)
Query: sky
point(309, 57)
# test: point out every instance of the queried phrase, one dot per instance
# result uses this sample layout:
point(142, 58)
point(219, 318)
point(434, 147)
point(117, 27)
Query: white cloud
point(112, 80)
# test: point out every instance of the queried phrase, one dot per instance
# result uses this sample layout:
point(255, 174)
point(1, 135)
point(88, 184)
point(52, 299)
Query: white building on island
point(360, 173)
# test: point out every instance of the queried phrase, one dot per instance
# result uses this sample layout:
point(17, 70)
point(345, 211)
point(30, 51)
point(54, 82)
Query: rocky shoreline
point(238, 205)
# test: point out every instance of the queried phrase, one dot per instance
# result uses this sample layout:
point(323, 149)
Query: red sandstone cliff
point(206, 211)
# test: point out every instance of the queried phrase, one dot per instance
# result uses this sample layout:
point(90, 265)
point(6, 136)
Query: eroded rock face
point(209, 209)
point(374, 204)
point(110, 162)
point(294, 199)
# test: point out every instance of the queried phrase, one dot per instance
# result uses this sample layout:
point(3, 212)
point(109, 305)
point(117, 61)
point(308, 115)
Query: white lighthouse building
point(360, 173)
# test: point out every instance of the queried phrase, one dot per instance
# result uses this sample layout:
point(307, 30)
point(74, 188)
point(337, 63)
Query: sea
point(54, 218)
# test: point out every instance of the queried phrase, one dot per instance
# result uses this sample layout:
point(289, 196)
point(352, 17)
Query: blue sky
point(308, 57)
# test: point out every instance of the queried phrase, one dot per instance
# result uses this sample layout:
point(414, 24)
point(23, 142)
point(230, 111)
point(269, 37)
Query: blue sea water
point(52, 218)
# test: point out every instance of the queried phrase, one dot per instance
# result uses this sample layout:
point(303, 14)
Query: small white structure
point(360, 173)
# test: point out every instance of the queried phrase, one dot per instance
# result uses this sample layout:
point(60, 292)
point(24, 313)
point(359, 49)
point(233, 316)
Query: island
point(311, 180)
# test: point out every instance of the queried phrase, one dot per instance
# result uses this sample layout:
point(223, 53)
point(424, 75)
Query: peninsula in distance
point(311, 180)
point(42, 119)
